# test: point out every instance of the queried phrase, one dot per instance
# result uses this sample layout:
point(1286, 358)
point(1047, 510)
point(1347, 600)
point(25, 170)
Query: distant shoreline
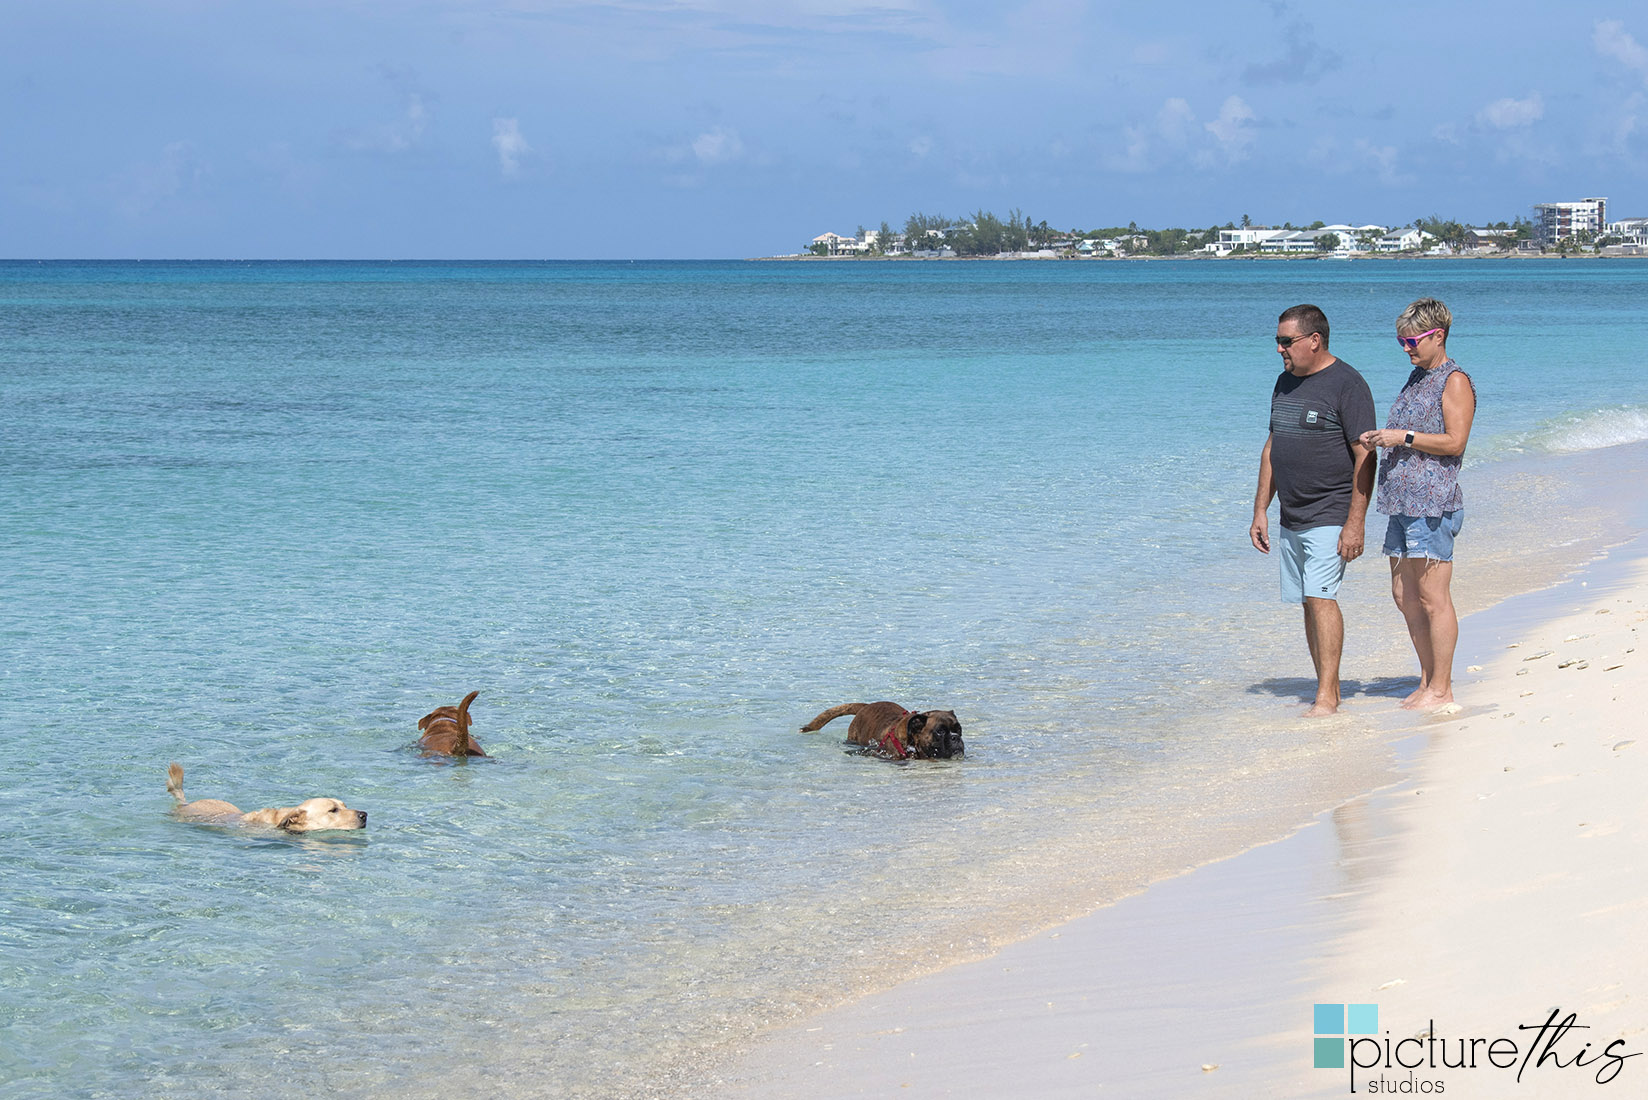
point(1198, 257)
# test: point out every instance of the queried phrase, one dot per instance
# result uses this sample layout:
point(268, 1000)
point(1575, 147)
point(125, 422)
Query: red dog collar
point(896, 748)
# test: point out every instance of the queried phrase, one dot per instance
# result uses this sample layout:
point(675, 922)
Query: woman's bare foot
point(1431, 699)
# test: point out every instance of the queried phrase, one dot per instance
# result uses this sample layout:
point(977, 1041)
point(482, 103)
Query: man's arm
point(1259, 532)
point(1361, 491)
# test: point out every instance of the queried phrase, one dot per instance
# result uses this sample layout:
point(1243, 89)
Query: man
point(1315, 461)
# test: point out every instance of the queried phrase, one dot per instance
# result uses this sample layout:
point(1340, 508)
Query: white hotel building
point(1556, 221)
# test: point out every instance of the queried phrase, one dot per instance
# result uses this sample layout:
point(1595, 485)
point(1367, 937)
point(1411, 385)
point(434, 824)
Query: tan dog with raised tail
point(309, 816)
point(446, 730)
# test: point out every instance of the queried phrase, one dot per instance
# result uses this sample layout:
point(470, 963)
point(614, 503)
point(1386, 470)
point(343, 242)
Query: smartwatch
point(1408, 440)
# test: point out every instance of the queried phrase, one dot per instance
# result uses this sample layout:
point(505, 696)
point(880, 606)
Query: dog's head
point(315, 814)
point(439, 714)
point(934, 734)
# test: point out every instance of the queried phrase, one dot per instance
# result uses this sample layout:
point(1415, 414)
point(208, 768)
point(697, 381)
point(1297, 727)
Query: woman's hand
point(1382, 437)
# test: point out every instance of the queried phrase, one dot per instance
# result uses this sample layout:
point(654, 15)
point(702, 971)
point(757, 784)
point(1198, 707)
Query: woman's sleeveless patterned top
point(1412, 483)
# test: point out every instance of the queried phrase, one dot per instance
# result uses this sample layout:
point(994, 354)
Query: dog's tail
point(831, 715)
point(174, 781)
point(465, 745)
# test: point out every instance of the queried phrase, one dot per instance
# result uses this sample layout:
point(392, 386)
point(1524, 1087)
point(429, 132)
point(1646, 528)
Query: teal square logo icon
point(1333, 1021)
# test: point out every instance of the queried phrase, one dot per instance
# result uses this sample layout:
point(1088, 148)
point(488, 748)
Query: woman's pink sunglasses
point(1411, 342)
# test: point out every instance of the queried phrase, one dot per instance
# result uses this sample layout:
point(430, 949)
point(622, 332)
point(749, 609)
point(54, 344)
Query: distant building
point(1263, 239)
point(1291, 240)
point(1632, 231)
point(1248, 238)
point(1351, 237)
point(1557, 221)
point(1487, 237)
point(1403, 240)
point(835, 243)
point(1348, 239)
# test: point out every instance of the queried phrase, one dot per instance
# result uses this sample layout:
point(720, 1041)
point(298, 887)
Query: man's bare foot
point(1414, 696)
point(1322, 708)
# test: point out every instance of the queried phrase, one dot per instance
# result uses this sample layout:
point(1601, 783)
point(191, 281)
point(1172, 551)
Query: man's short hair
point(1424, 315)
point(1310, 318)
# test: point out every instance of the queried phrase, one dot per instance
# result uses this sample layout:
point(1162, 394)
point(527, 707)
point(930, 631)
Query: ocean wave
point(1588, 431)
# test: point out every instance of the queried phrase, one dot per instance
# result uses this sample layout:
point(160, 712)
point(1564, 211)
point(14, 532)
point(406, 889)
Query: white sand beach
point(1503, 878)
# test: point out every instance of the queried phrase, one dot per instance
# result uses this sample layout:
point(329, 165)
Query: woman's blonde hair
point(1424, 315)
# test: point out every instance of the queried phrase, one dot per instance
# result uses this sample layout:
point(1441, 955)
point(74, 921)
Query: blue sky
point(723, 128)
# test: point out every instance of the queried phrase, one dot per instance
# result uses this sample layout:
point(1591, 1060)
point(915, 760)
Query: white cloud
point(717, 146)
point(1176, 134)
point(399, 136)
point(1627, 123)
point(1623, 129)
point(1152, 53)
point(511, 146)
point(1175, 122)
point(921, 146)
point(1613, 40)
point(1512, 114)
point(1385, 160)
point(145, 187)
point(1233, 129)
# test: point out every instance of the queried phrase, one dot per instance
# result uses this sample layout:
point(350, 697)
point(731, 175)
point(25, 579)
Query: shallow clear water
point(261, 517)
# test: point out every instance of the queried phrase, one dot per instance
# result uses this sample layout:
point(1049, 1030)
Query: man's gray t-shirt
point(1313, 422)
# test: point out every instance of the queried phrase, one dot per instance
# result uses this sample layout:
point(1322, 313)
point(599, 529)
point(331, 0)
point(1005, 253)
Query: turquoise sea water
point(259, 518)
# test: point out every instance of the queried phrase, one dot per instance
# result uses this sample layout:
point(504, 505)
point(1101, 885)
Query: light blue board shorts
point(1311, 565)
point(1423, 536)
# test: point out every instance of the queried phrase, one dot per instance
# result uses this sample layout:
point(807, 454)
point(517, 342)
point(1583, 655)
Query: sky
point(548, 129)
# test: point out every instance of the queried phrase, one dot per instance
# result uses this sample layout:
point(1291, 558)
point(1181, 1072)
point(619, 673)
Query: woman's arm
point(1458, 410)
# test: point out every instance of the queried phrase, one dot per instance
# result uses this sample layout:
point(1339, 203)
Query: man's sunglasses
point(1411, 342)
point(1287, 341)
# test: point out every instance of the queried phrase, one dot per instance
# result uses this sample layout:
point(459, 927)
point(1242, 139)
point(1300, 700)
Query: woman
point(1424, 441)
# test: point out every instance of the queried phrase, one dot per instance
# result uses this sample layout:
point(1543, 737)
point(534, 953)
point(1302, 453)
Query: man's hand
point(1350, 542)
point(1259, 533)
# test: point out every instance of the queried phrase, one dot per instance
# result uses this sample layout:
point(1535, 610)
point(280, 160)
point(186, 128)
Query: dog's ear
point(295, 820)
point(917, 723)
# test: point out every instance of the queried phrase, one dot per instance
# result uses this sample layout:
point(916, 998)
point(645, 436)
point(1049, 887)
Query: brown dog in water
point(446, 730)
point(309, 816)
point(928, 734)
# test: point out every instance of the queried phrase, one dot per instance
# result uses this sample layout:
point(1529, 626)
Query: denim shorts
point(1423, 536)
point(1311, 565)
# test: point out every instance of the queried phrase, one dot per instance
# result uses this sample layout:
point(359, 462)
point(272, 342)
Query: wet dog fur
point(446, 730)
point(308, 816)
point(927, 734)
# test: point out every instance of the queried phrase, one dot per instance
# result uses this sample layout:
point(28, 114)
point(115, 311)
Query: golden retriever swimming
point(311, 815)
